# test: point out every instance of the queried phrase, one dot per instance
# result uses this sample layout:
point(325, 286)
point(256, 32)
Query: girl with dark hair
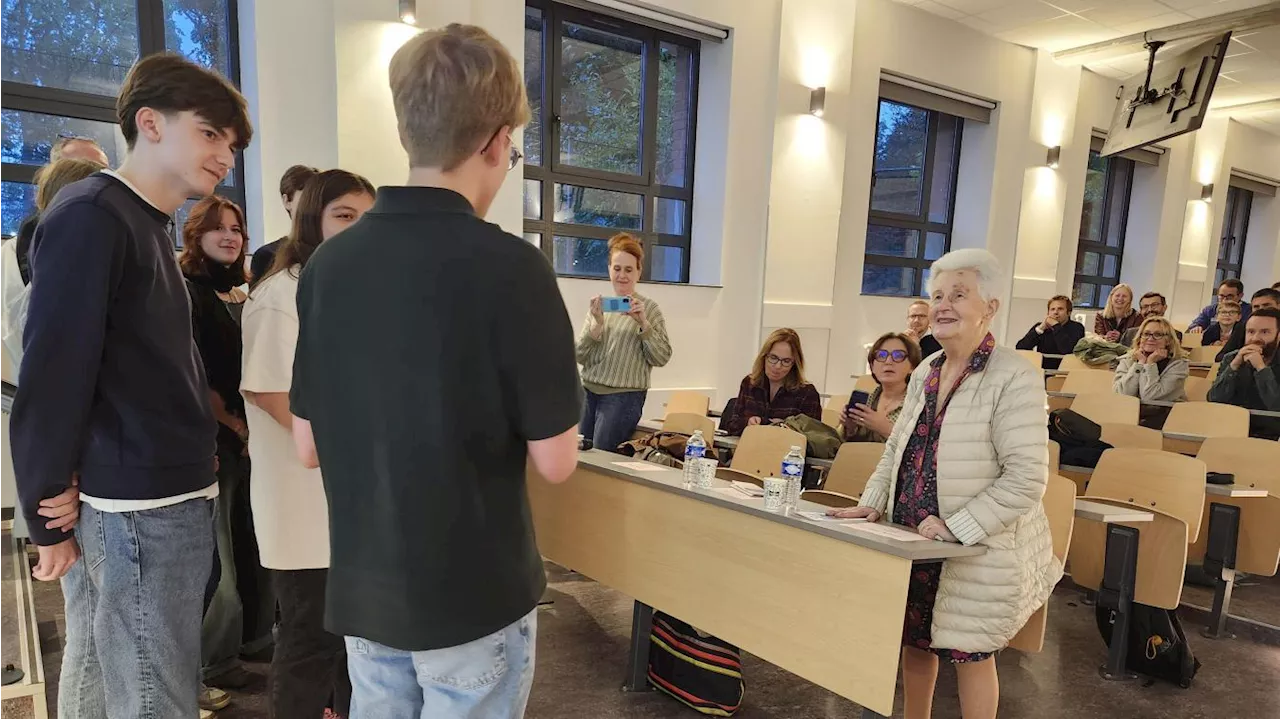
point(289, 505)
point(239, 607)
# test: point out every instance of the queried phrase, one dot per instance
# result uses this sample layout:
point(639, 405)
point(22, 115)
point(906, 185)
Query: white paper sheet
point(888, 532)
point(822, 517)
point(641, 466)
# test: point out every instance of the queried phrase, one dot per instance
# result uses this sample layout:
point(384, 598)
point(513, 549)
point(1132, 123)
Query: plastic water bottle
point(792, 471)
point(694, 450)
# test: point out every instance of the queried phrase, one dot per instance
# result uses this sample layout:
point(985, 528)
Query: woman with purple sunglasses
point(891, 359)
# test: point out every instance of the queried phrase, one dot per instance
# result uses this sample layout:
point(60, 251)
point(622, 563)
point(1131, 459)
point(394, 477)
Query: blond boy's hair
point(454, 88)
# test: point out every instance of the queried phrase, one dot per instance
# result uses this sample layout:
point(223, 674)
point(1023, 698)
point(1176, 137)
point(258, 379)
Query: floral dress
point(917, 499)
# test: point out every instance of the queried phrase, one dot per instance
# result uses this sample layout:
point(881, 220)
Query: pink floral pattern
point(917, 499)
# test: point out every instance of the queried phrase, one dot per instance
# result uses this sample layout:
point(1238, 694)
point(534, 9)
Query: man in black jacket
point(1247, 376)
point(1265, 298)
point(1056, 334)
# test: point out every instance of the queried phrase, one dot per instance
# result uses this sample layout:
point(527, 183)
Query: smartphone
point(858, 397)
point(615, 304)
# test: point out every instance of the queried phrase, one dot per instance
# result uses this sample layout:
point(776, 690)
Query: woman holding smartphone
point(892, 359)
point(619, 349)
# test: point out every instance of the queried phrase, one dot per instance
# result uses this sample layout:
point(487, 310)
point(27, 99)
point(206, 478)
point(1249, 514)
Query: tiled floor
point(582, 656)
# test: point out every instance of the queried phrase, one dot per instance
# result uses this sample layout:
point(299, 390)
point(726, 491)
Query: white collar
point(131, 186)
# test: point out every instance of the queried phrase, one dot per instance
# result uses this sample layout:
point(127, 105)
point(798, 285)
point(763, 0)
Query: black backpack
point(1157, 647)
point(1079, 437)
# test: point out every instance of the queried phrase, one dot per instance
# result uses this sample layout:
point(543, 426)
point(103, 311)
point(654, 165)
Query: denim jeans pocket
point(466, 667)
point(92, 535)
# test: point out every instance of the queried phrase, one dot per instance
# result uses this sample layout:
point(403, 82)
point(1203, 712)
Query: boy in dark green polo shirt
point(434, 357)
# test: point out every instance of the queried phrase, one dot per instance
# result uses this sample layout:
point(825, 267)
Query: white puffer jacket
point(992, 469)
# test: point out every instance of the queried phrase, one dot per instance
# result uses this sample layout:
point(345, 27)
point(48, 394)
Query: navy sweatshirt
point(111, 384)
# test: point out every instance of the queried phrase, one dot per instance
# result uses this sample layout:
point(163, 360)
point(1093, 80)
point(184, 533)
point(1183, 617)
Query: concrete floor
point(582, 656)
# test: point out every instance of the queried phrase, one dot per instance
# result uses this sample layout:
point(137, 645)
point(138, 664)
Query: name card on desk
point(884, 530)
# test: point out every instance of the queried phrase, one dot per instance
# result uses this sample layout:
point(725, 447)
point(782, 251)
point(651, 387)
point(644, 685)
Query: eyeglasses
point(1154, 335)
point(516, 155)
point(777, 361)
point(896, 355)
point(1228, 296)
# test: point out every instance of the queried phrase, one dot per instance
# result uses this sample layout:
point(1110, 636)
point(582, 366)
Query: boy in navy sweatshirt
point(111, 392)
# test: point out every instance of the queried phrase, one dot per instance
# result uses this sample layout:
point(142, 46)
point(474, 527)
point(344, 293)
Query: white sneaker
point(212, 699)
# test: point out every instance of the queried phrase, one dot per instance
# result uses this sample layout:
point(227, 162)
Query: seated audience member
point(1118, 316)
point(1262, 299)
point(1247, 377)
point(1219, 333)
point(1154, 369)
point(1056, 334)
point(775, 389)
point(918, 328)
point(892, 359)
point(1152, 304)
point(1231, 290)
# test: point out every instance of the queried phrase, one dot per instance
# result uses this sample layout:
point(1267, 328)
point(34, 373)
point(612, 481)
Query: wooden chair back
point(1203, 354)
point(1060, 507)
point(1035, 358)
point(1191, 340)
point(832, 418)
point(729, 474)
point(1258, 544)
point(828, 498)
point(853, 466)
point(1106, 407)
point(761, 449)
point(1055, 457)
point(1255, 462)
point(686, 402)
point(688, 423)
point(1162, 554)
point(1153, 480)
point(866, 383)
point(1071, 362)
point(1131, 436)
point(1198, 388)
point(1089, 381)
point(1208, 419)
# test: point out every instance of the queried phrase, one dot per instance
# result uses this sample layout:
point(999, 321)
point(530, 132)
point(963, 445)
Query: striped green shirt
point(621, 360)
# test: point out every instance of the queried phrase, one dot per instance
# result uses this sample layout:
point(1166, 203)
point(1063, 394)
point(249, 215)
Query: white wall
point(781, 197)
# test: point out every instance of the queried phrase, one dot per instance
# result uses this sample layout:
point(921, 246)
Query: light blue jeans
point(133, 606)
point(488, 678)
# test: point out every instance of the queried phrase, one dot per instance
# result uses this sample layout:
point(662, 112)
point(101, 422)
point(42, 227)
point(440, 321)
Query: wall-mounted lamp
point(817, 101)
point(407, 15)
point(1055, 154)
point(1206, 192)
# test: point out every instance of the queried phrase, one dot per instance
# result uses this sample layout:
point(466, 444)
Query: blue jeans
point(608, 420)
point(133, 605)
point(488, 678)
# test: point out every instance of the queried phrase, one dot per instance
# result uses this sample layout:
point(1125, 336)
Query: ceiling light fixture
point(817, 101)
point(407, 15)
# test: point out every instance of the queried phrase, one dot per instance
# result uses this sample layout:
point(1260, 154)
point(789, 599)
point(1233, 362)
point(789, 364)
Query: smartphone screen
point(858, 397)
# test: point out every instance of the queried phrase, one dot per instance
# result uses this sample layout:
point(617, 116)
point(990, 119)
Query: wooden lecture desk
point(821, 599)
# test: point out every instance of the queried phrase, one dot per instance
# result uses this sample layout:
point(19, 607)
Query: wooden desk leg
point(1220, 564)
point(1115, 592)
point(638, 654)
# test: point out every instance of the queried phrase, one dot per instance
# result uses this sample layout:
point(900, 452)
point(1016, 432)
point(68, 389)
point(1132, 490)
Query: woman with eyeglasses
point(892, 359)
point(1155, 368)
point(775, 389)
point(618, 350)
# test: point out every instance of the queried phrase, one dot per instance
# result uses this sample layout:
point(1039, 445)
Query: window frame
point(1101, 248)
point(1223, 268)
point(919, 222)
point(552, 172)
point(19, 96)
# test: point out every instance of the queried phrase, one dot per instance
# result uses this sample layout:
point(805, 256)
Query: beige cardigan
point(992, 469)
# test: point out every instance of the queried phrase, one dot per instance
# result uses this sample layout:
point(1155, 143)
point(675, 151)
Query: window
point(63, 64)
point(1107, 186)
point(610, 145)
point(1235, 226)
point(913, 188)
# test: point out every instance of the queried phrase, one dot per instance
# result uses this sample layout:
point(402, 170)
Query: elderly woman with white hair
point(967, 462)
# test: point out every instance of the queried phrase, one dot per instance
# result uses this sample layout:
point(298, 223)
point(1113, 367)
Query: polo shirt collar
point(416, 200)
